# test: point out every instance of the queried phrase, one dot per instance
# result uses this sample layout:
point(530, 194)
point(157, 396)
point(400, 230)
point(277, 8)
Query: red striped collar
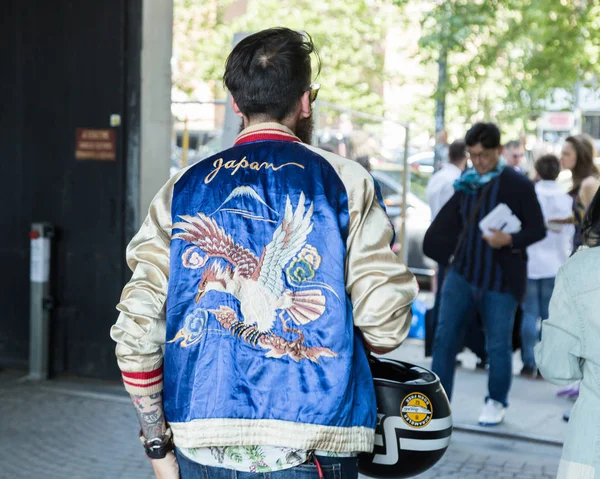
point(266, 131)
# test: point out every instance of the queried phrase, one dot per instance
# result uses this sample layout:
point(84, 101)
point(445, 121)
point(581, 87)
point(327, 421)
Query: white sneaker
point(492, 413)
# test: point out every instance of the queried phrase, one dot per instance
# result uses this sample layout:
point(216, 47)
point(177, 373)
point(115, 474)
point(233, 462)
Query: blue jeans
point(474, 339)
point(333, 468)
point(460, 302)
point(535, 305)
point(441, 275)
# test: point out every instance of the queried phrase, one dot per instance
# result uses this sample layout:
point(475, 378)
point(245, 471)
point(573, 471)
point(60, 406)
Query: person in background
point(544, 257)
point(440, 187)
point(578, 156)
point(514, 155)
point(489, 271)
point(570, 348)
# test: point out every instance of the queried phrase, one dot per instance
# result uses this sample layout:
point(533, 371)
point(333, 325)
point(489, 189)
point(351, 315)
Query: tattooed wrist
point(149, 410)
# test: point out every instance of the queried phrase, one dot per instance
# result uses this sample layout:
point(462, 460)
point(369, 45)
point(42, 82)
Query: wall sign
point(95, 144)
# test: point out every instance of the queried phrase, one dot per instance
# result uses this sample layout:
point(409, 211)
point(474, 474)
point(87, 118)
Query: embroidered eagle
point(257, 283)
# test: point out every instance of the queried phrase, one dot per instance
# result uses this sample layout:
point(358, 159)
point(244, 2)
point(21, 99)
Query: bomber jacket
point(258, 276)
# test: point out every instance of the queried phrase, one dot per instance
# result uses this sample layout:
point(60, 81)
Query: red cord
point(319, 469)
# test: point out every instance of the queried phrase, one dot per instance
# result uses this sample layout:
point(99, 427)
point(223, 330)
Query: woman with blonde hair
point(570, 348)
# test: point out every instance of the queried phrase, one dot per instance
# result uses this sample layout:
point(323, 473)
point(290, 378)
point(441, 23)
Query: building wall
point(68, 65)
point(156, 120)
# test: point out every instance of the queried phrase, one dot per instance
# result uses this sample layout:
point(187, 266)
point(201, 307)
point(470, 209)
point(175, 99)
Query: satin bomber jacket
point(257, 275)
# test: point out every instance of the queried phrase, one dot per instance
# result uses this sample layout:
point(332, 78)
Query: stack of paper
point(500, 218)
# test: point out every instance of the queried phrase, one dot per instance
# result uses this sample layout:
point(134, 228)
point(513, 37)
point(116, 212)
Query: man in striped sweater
point(488, 273)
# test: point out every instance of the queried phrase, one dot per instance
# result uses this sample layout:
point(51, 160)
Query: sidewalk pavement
point(472, 456)
point(80, 429)
point(534, 411)
point(75, 430)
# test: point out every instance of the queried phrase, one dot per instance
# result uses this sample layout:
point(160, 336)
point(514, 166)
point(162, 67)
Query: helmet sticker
point(416, 410)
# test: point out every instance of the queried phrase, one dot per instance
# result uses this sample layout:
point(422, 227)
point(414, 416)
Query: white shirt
point(548, 255)
point(440, 187)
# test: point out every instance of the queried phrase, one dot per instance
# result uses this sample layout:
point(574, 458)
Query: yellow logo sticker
point(416, 410)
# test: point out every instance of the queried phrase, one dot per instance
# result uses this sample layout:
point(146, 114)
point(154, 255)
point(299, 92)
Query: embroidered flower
point(310, 254)
point(191, 259)
point(299, 271)
point(194, 323)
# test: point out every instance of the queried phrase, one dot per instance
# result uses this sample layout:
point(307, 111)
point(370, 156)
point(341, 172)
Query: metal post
point(440, 108)
point(405, 186)
point(40, 300)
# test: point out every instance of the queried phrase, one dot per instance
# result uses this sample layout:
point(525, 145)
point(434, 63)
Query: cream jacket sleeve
point(381, 287)
point(379, 284)
point(140, 329)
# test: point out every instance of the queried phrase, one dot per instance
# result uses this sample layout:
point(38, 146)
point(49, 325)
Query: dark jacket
point(518, 193)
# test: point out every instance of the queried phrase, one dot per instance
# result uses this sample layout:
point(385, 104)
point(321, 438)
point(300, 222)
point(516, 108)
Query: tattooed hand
point(150, 413)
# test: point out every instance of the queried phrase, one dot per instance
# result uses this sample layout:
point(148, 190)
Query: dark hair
point(513, 144)
point(363, 161)
point(487, 134)
point(584, 166)
point(548, 167)
point(268, 72)
point(590, 227)
point(457, 151)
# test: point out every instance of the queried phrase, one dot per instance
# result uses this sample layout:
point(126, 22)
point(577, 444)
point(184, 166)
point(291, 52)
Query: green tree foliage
point(350, 37)
point(506, 57)
point(200, 40)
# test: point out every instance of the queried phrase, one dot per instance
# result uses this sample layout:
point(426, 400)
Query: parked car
point(422, 162)
point(418, 219)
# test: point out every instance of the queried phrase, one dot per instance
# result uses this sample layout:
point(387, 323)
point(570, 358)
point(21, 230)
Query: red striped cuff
point(143, 383)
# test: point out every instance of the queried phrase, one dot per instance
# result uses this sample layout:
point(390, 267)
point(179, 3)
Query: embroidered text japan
point(243, 163)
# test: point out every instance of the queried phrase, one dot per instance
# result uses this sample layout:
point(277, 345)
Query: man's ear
point(236, 108)
point(305, 108)
point(500, 150)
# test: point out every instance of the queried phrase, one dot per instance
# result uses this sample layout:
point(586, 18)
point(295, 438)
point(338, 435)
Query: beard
point(304, 129)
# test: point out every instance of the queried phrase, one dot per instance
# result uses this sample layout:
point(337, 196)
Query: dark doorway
point(65, 66)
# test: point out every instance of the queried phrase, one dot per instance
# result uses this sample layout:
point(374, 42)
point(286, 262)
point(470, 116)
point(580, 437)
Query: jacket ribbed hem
point(143, 391)
point(271, 432)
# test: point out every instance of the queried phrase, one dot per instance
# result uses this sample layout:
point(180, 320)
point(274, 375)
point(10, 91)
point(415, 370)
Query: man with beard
point(259, 276)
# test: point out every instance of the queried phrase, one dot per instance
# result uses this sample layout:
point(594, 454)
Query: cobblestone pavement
point(476, 457)
point(82, 430)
